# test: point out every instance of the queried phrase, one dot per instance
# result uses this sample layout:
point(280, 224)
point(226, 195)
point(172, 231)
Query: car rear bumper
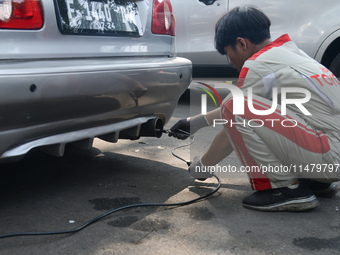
point(49, 98)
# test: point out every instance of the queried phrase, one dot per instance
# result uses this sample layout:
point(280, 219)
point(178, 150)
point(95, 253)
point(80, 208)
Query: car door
point(195, 33)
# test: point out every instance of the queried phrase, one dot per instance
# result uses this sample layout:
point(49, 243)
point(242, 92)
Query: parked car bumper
point(53, 102)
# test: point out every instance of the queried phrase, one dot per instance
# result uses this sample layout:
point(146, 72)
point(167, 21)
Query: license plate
point(99, 17)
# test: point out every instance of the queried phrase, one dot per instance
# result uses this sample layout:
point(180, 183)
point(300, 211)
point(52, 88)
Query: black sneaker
point(282, 199)
point(321, 189)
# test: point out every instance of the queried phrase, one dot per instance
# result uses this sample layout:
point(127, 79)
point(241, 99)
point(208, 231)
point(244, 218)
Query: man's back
point(281, 64)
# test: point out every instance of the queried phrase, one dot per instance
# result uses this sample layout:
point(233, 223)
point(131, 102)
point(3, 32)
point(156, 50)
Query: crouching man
point(305, 96)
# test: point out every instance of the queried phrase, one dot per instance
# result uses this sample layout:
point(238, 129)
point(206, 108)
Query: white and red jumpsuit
point(308, 146)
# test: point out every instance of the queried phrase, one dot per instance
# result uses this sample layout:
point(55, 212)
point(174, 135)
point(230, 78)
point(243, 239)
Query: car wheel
point(335, 66)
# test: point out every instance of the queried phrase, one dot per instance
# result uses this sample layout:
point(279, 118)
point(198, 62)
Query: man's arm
point(212, 115)
point(218, 150)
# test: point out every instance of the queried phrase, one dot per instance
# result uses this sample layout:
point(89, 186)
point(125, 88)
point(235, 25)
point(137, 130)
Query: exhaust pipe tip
point(152, 128)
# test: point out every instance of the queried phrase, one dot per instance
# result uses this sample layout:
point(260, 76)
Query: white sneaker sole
point(295, 205)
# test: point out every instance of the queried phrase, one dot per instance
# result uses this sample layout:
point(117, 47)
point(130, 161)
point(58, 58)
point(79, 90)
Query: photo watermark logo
point(239, 99)
point(204, 97)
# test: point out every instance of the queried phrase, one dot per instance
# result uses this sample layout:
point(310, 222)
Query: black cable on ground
point(110, 212)
point(125, 207)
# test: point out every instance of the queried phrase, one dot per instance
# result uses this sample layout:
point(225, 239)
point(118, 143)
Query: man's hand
point(198, 170)
point(184, 127)
point(181, 129)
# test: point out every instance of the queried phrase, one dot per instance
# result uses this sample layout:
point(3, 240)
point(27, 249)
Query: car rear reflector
point(163, 19)
point(21, 14)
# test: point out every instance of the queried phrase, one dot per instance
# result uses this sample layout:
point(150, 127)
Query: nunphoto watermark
point(291, 168)
point(244, 101)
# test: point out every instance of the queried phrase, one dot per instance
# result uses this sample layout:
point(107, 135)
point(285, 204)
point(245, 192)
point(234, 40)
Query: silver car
point(313, 25)
point(73, 70)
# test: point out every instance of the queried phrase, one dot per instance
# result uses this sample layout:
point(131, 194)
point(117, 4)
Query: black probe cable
point(119, 209)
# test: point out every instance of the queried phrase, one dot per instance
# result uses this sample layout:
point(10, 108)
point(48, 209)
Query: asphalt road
point(44, 193)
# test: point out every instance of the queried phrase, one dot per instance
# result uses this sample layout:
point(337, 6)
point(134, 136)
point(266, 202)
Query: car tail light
point(21, 14)
point(163, 19)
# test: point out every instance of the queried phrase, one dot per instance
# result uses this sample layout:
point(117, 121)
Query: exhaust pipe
point(152, 128)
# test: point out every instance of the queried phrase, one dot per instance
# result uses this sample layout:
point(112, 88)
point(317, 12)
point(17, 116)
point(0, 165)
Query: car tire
point(335, 66)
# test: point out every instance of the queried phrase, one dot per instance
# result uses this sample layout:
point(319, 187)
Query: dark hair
point(243, 21)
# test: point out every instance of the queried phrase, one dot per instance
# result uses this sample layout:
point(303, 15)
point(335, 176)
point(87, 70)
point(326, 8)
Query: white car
point(73, 70)
point(313, 25)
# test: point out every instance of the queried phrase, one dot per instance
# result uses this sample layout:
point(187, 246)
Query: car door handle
point(208, 2)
